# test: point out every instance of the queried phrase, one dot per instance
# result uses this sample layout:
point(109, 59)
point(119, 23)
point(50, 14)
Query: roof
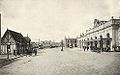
point(34, 44)
point(27, 39)
point(18, 37)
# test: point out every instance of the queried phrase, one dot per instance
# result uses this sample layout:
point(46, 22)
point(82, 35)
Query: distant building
point(13, 42)
point(34, 45)
point(70, 42)
point(54, 44)
point(45, 44)
point(28, 42)
point(103, 36)
point(49, 44)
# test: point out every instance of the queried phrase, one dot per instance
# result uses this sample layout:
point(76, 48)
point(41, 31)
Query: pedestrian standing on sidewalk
point(35, 51)
point(87, 48)
point(84, 48)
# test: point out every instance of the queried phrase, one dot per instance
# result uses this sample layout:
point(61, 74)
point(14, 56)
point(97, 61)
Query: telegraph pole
point(0, 33)
point(39, 41)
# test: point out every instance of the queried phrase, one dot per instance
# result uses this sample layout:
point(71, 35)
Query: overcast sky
point(55, 19)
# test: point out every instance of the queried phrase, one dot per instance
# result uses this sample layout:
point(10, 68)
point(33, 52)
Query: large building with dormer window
point(103, 36)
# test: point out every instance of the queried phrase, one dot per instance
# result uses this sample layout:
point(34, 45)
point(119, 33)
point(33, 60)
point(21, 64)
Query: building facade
point(13, 43)
point(28, 40)
point(70, 42)
point(49, 44)
point(103, 36)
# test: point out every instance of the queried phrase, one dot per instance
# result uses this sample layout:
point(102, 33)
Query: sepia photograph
point(59, 37)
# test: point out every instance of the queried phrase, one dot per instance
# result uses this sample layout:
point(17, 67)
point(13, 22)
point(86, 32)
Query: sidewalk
point(91, 52)
point(4, 61)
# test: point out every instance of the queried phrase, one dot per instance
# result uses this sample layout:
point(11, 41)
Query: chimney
point(65, 37)
point(112, 17)
point(27, 35)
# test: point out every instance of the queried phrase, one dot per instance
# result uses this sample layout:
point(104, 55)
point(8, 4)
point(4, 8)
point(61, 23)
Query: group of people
point(95, 49)
point(85, 48)
point(29, 52)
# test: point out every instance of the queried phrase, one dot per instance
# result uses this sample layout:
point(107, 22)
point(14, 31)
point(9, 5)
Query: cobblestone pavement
point(69, 62)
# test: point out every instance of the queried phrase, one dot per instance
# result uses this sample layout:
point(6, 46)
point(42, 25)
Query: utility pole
point(0, 33)
point(39, 42)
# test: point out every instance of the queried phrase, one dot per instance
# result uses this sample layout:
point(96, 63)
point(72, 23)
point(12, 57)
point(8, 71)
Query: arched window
point(91, 38)
point(87, 38)
point(84, 39)
point(95, 37)
point(101, 36)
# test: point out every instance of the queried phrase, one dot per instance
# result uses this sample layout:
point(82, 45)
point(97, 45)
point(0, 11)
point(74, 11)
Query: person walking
point(35, 51)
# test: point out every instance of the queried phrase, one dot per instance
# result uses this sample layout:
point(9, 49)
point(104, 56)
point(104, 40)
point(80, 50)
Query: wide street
point(69, 62)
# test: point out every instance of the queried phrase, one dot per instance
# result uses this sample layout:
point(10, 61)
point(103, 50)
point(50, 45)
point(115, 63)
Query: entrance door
point(8, 49)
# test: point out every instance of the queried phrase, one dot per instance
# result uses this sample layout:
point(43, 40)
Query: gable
point(7, 37)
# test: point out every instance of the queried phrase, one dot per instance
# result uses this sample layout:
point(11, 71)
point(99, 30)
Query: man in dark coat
point(35, 51)
point(87, 48)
